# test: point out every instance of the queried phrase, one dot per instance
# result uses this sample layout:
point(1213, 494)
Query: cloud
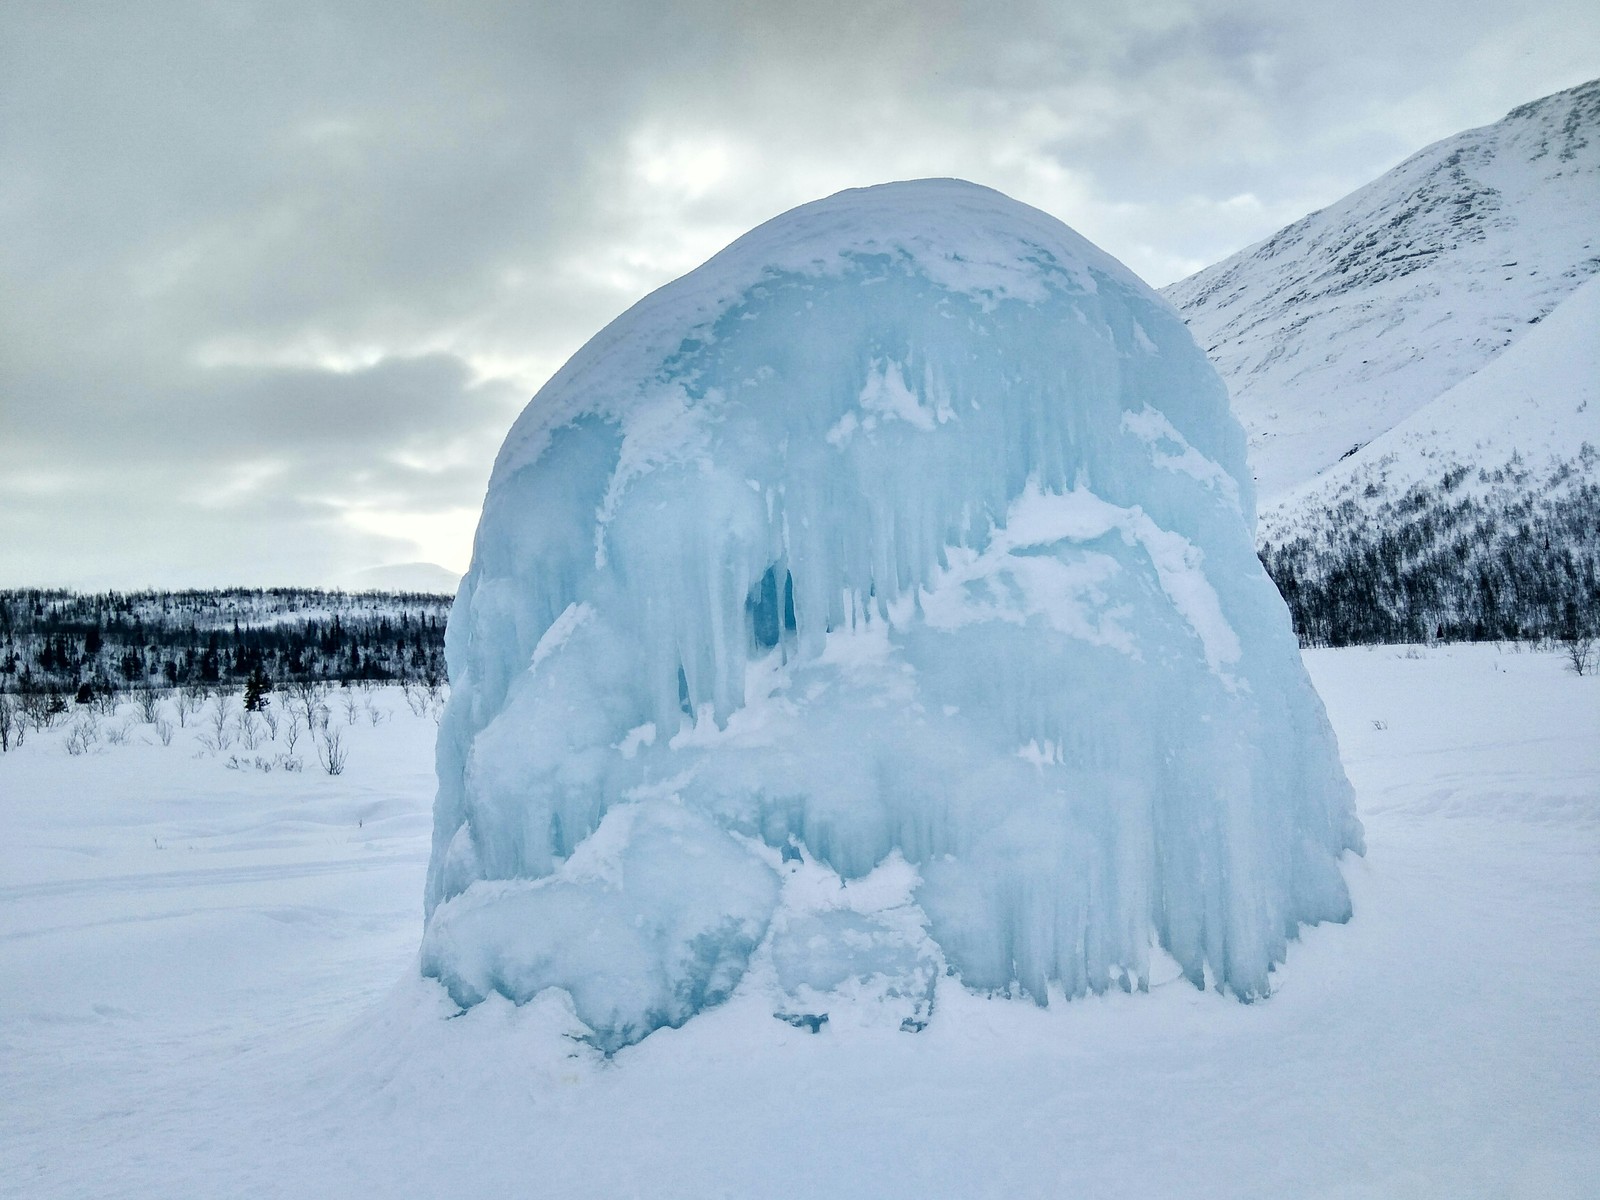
point(234, 473)
point(307, 260)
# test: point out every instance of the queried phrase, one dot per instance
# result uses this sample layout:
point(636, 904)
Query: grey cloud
point(208, 415)
point(220, 474)
point(207, 208)
point(131, 533)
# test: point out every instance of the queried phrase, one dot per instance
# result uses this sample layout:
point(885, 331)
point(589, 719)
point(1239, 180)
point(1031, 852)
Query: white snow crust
point(910, 529)
point(208, 988)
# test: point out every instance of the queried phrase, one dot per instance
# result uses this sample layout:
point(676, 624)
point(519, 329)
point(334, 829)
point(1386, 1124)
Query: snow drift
point(877, 600)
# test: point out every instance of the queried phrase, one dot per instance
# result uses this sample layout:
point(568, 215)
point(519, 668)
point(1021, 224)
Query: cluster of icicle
point(909, 536)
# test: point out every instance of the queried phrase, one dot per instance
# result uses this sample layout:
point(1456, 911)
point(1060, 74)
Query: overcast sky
point(276, 278)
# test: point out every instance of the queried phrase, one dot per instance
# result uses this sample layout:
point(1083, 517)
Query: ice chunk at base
point(911, 524)
point(859, 949)
point(651, 921)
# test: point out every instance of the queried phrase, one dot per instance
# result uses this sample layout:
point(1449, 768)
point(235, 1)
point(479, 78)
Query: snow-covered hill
point(1476, 516)
point(1339, 327)
point(54, 643)
point(1522, 422)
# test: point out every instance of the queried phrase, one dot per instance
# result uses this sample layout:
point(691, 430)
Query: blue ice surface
point(911, 527)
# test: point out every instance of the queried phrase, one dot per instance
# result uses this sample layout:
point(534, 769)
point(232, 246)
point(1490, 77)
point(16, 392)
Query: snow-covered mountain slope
point(1478, 516)
point(1522, 422)
point(1340, 326)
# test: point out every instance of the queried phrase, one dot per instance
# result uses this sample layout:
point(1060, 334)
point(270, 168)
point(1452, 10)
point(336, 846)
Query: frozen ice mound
point(909, 529)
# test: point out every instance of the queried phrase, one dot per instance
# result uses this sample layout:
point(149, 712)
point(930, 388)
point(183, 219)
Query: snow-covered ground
point(208, 988)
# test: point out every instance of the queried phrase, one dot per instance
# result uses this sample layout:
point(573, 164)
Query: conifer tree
point(256, 688)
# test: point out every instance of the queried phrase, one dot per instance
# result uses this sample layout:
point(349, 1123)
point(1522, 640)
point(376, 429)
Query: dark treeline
point(1446, 564)
point(63, 641)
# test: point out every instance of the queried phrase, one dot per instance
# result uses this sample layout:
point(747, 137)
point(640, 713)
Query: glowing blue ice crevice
point(910, 536)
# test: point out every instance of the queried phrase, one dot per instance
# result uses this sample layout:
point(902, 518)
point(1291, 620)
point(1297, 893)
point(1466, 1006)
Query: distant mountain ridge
point(1341, 325)
point(1418, 369)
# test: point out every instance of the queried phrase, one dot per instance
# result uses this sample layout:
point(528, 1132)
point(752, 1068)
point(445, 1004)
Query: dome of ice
point(875, 604)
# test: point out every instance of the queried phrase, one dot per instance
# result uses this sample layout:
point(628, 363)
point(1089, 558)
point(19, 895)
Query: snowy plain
point(209, 987)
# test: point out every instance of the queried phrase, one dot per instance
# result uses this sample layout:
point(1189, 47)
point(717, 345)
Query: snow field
point(208, 987)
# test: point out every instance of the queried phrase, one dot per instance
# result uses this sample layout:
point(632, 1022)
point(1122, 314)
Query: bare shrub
point(306, 703)
point(220, 737)
point(249, 729)
point(10, 722)
point(187, 701)
point(291, 734)
point(83, 734)
point(351, 704)
point(147, 702)
point(331, 751)
point(43, 709)
point(1579, 652)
